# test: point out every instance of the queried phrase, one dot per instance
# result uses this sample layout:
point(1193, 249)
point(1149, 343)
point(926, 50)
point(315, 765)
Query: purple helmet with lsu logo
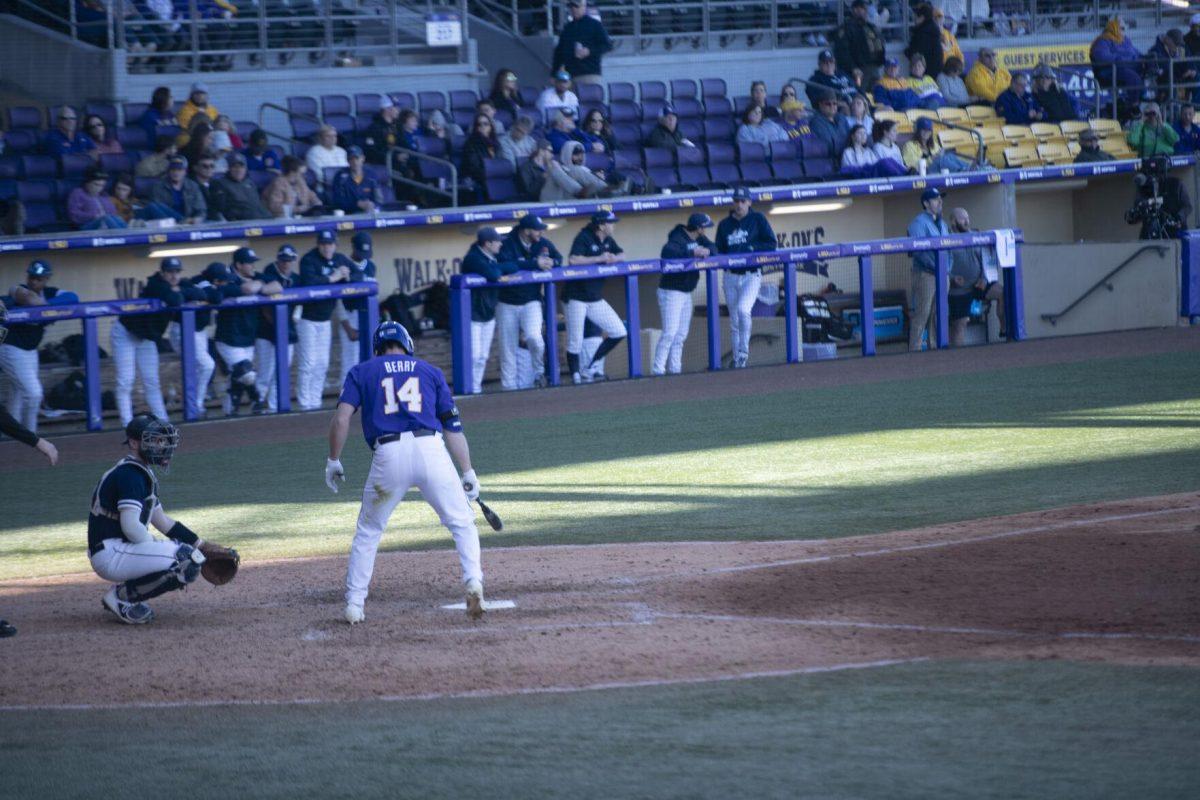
point(390, 331)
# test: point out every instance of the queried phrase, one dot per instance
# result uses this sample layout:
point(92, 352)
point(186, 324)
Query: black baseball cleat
point(6, 630)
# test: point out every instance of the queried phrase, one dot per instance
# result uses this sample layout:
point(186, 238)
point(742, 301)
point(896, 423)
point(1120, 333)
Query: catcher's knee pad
point(243, 373)
point(187, 564)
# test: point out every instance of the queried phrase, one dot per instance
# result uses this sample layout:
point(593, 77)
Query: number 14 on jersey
point(409, 395)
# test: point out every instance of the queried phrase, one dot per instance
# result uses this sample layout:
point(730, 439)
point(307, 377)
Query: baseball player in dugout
point(10, 427)
point(410, 422)
point(743, 231)
point(198, 288)
point(482, 259)
point(19, 353)
point(585, 299)
point(321, 266)
point(519, 312)
point(237, 326)
point(277, 276)
point(361, 248)
point(121, 547)
point(675, 291)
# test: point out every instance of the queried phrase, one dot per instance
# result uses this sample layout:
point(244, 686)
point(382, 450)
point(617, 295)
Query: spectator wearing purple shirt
point(1189, 132)
point(66, 138)
point(89, 208)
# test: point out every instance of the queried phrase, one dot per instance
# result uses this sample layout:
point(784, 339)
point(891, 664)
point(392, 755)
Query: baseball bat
point(491, 516)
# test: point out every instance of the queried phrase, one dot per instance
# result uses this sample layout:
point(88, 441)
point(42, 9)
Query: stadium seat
point(693, 129)
point(29, 117)
point(366, 103)
point(343, 124)
point(1019, 134)
point(335, 104)
point(740, 104)
point(627, 134)
point(463, 118)
point(1022, 155)
point(623, 111)
point(1071, 128)
point(688, 108)
point(1117, 147)
point(463, 99)
point(62, 188)
point(719, 129)
point(903, 123)
point(499, 183)
point(716, 107)
point(751, 151)
point(979, 114)
point(432, 145)
point(951, 114)
point(403, 100)
point(116, 163)
point(304, 129)
point(8, 189)
point(134, 138)
point(10, 167)
point(42, 218)
point(621, 91)
point(1054, 152)
point(132, 112)
point(1044, 131)
point(1074, 149)
point(651, 109)
point(302, 105)
point(601, 161)
point(818, 162)
point(74, 165)
point(960, 142)
point(37, 191)
point(683, 90)
point(245, 128)
point(784, 164)
point(652, 90)
point(1106, 127)
point(590, 93)
point(22, 140)
point(915, 114)
point(34, 167)
point(260, 177)
point(529, 96)
point(713, 87)
point(431, 101)
point(105, 111)
point(692, 170)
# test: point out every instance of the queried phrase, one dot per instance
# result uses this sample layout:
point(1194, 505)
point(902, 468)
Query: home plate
point(488, 605)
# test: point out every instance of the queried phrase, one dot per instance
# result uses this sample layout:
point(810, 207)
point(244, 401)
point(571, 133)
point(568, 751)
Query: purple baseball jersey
point(399, 393)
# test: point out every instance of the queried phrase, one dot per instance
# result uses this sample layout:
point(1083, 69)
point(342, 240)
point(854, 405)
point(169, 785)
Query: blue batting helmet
point(392, 332)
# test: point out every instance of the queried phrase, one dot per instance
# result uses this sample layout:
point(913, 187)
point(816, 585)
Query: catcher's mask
point(157, 439)
point(3, 322)
point(390, 331)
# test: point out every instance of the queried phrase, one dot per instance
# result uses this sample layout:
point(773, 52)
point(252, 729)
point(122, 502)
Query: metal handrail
point(264, 107)
point(1106, 281)
point(451, 193)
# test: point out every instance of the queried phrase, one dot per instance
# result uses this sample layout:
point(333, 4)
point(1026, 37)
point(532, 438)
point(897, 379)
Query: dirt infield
point(1110, 582)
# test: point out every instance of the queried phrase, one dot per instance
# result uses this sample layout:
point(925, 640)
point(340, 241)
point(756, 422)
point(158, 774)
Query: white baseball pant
point(312, 353)
point(740, 293)
point(133, 353)
point(204, 361)
point(122, 561)
point(481, 347)
point(676, 309)
point(25, 388)
point(234, 355)
point(395, 468)
point(513, 321)
point(599, 312)
point(264, 368)
point(346, 346)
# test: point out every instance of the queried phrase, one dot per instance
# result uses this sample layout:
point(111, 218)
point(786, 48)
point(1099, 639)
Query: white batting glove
point(471, 485)
point(333, 474)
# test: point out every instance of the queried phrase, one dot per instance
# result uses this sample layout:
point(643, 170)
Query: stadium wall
point(50, 66)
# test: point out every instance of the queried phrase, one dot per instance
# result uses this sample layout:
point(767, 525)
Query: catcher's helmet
point(158, 439)
point(3, 322)
point(392, 332)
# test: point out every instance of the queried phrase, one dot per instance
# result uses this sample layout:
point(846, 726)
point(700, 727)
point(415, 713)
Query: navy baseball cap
point(891, 62)
point(362, 243)
point(326, 237)
point(741, 193)
point(562, 75)
point(603, 217)
point(698, 220)
point(488, 234)
point(667, 109)
point(170, 264)
point(930, 194)
point(216, 271)
point(177, 162)
point(825, 55)
point(39, 269)
point(286, 253)
point(924, 124)
point(354, 151)
point(236, 158)
point(532, 222)
point(244, 255)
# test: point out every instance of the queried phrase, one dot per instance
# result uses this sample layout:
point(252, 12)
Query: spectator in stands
point(225, 136)
point(559, 95)
point(968, 282)
point(481, 145)
point(1115, 59)
point(794, 123)
point(106, 143)
point(581, 45)
point(199, 143)
point(928, 224)
point(438, 127)
point(574, 180)
point(197, 103)
point(1057, 106)
point(830, 126)
point(260, 156)
point(891, 159)
point(826, 75)
point(179, 193)
point(788, 92)
point(1168, 71)
point(666, 133)
point(950, 46)
point(1016, 105)
point(65, 137)
point(986, 79)
point(130, 208)
point(950, 84)
point(288, 194)
point(518, 144)
point(1151, 136)
point(929, 97)
point(325, 154)
point(562, 127)
point(384, 132)
point(860, 114)
point(506, 94)
point(892, 90)
point(597, 134)
point(1187, 130)
point(234, 196)
point(204, 171)
point(1010, 17)
point(354, 191)
point(926, 39)
point(486, 108)
point(1089, 149)
point(533, 172)
point(757, 130)
point(923, 154)
point(758, 95)
point(858, 159)
point(858, 45)
point(159, 115)
point(1191, 39)
point(89, 207)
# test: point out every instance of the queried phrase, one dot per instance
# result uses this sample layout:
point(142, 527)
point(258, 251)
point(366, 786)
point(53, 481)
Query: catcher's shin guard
point(185, 570)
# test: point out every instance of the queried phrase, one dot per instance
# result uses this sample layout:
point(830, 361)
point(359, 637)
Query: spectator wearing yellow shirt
point(950, 45)
point(197, 103)
point(986, 79)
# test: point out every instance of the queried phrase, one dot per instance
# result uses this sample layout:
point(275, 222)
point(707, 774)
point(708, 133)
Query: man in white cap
point(559, 95)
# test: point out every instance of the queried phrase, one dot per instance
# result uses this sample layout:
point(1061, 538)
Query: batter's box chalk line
point(488, 605)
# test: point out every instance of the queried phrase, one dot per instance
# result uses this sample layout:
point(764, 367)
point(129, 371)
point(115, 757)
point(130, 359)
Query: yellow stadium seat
point(1056, 153)
point(915, 114)
point(1073, 148)
point(1017, 134)
point(1045, 130)
point(961, 142)
point(1117, 147)
point(1021, 156)
point(955, 115)
point(1106, 127)
point(980, 114)
point(1073, 127)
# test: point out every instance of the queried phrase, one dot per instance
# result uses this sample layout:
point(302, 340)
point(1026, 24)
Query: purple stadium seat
point(818, 169)
point(716, 107)
point(329, 173)
point(335, 104)
point(694, 177)
point(343, 124)
point(713, 87)
point(811, 148)
point(498, 168)
point(627, 134)
point(431, 101)
point(626, 160)
point(651, 109)
point(740, 104)
point(24, 117)
point(724, 172)
point(589, 93)
point(377, 171)
point(756, 172)
point(63, 188)
point(719, 129)
point(529, 96)
point(40, 217)
point(506, 116)
point(463, 99)
point(260, 177)
point(683, 90)
point(143, 186)
point(34, 167)
point(602, 161)
point(693, 129)
point(244, 128)
point(310, 179)
point(787, 169)
point(751, 152)
point(132, 112)
point(688, 108)
point(653, 90)
point(116, 163)
point(621, 91)
point(105, 111)
point(362, 122)
point(463, 117)
point(692, 170)
point(300, 149)
point(691, 156)
point(22, 140)
point(623, 111)
point(501, 190)
point(10, 167)
point(719, 152)
point(367, 103)
point(457, 141)
point(663, 177)
point(73, 165)
point(646, 127)
point(302, 105)
point(134, 138)
point(304, 129)
point(404, 100)
point(432, 145)
point(8, 189)
point(39, 191)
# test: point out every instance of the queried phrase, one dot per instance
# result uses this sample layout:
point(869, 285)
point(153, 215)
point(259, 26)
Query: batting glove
point(470, 485)
point(333, 474)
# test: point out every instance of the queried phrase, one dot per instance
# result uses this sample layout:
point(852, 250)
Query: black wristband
point(181, 533)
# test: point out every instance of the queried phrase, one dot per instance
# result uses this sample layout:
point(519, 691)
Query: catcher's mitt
point(220, 563)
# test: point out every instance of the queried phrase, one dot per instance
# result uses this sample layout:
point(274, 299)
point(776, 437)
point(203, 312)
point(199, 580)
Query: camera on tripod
point(1158, 221)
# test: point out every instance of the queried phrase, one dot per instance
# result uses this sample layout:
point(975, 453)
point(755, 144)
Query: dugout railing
point(787, 261)
point(90, 314)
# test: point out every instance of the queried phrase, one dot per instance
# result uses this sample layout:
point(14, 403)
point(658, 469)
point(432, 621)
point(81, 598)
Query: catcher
point(120, 545)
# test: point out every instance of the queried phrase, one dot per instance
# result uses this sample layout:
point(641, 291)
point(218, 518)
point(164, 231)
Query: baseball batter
point(743, 231)
point(585, 299)
point(410, 421)
point(675, 292)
